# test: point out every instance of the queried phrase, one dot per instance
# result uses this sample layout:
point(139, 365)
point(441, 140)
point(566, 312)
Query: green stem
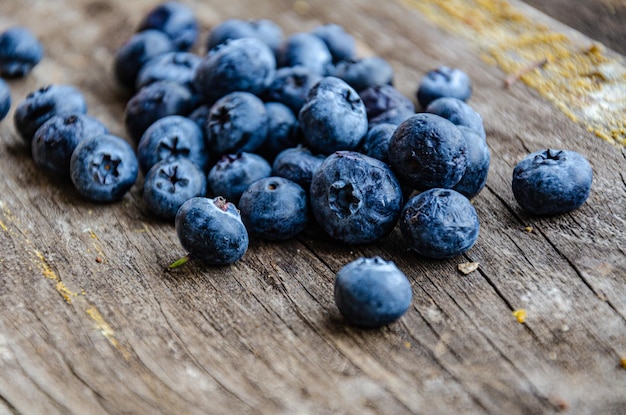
point(179, 262)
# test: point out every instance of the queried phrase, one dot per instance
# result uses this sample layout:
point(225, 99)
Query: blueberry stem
point(179, 262)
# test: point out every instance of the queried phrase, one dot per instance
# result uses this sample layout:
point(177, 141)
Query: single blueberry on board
point(233, 173)
point(139, 49)
point(550, 182)
point(176, 20)
point(169, 184)
point(20, 52)
point(40, 105)
point(459, 113)
point(245, 64)
point(211, 231)
point(103, 168)
point(428, 151)
point(283, 130)
point(237, 123)
point(439, 223)
point(444, 82)
point(305, 49)
point(5, 99)
point(153, 102)
point(376, 141)
point(171, 138)
point(478, 161)
point(355, 198)
point(298, 165)
point(291, 86)
point(341, 44)
point(274, 209)
point(364, 73)
point(382, 98)
point(333, 118)
point(54, 142)
point(372, 292)
point(173, 66)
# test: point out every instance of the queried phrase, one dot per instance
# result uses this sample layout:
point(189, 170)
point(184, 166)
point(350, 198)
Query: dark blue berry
point(305, 49)
point(20, 51)
point(274, 209)
point(458, 112)
point(355, 198)
point(283, 130)
point(211, 230)
point(173, 66)
point(265, 30)
point(245, 64)
point(169, 138)
point(444, 82)
point(169, 184)
point(237, 122)
point(341, 44)
point(439, 223)
point(395, 116)
point(382, 98)
point(376, 141)
point(478, 160)
point(365, 72)
point(154, 101)
point(40, 105)
point(298, 165)
point(139, 49)
point(103, 168)
point(333, 118)
point(174, 19)
point(428, 151)
point(233, 173)
point(5, 99)
point(291, 86)
point(56, 139)
point(550, 182)
point(372, 292)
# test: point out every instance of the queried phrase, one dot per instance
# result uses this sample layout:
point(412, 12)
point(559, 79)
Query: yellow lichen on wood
point(106, 330)
point(583, 82)
point(61, 288)
point(520, 315)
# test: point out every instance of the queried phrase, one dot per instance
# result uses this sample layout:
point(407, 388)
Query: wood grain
point(125, 336)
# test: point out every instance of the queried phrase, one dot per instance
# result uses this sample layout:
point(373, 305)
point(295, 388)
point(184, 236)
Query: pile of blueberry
point(264, 133)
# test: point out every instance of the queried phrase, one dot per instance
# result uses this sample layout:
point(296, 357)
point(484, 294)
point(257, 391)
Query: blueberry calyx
point(549, 155)
point(169, 147)
point(344, 199)
point(171, 174)
point(222, 203)
point(105, 169)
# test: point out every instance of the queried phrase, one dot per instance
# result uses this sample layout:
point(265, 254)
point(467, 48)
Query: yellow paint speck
point(106, 330)
point(520, 315)
point(61, 288)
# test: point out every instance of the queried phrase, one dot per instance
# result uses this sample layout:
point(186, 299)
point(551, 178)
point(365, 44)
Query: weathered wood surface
point(91, 323)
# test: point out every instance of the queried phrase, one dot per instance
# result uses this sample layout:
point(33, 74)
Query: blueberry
point(478, 160)
point(283, 130)
point(245, 64)
point(237, 122)
point(211, 231)
point(305, 49)
point(458, 112)
point(428, 151)
point(132, 55)
point(439, 223)
point(40, 105)
point(550, 182)
point(233, 173)
point(376, 141)
point(444, 82)
point(103, 168)
point(5, 99)
point(365, 72)
point(174, 19)
point(291, 86)
point(265, 30)
point(56, 139)
point(333, 118)
point(154, 101)
point(274, 209)
point(355, 198)
point(298, 165)
point(171, 138)
point(372, 292)
point(381, 98)
point(200, 115)
point(169, 184)
point(20, 51)
point(395, 116)
point(341, 44)
point(173, 66)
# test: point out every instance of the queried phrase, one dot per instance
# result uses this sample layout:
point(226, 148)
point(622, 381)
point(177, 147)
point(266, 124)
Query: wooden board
point(92, 323)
